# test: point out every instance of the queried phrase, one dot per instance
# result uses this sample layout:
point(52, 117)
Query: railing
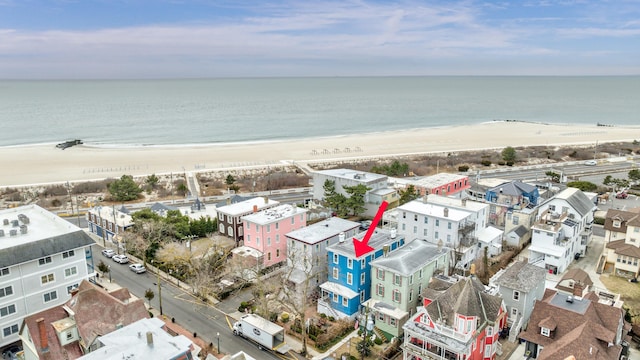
point(515, 328)
point(326, 303)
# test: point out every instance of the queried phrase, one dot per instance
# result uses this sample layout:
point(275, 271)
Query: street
point(187, 310)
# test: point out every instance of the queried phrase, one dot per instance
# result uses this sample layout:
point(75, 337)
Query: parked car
point(591, 163)
point(108, 253)
point(121, 259)
point(137, 268)
point(622, 195)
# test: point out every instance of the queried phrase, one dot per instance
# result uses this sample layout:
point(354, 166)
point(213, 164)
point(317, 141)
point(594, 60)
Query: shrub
point(486, 162)
point(284, 317)
point(331, 318)
point(378, 341)
point(323, 316)
point(463, 168)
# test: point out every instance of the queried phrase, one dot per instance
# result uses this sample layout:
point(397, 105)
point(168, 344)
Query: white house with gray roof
point(562, 230)
point(397, 280)
point(42, 258)
point(455, 222)
point(520, 284)
point(307, 248)
point(379, 185)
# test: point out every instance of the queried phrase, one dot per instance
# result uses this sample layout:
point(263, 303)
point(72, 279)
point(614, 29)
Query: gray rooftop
point(44, 234)
point(323, 230)
point(577, 305)
point(521, 276)
point(247, 206)
point(514, 188)
point(378, 239)
point(578, 200)
point(349, 174)
point(274, 214)
point(410, 258)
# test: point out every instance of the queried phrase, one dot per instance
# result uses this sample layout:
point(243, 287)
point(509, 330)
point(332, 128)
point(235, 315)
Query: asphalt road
point(188, 311)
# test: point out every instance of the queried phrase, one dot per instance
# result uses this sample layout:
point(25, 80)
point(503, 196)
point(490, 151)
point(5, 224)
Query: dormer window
point(616, 223)
point(545, 332)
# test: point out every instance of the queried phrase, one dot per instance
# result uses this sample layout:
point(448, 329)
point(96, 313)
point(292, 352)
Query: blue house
point(349, 277)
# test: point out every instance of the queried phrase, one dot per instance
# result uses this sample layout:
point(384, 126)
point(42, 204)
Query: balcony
point(466, 227)
point(468, 241)
point(429, 351)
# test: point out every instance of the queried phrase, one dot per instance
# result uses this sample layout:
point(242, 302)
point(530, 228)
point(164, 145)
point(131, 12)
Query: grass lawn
point(629, 293)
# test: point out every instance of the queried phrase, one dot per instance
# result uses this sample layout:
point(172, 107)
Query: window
point(345, 302)
point(380, 290)
point(50, 296)
point(277, 226)
point(448, 224)
point(277, 253)
point(404, 215)
point(410, 295)
point(516, 220)
point(350, 263)
point(6, 291)
point(257, 241)
point(335, 272)
point(437, 235)
point(335, 297)
point(410, 279)
point(516, 295)
point(69, 335)
point(404, 227)
point(397, 279)
point(71, 287)
point(437, 222)
point(269, 241)
point(362, 296)
point(415, 229)
point(362, 264)
point(487, 351)
point(70, 271)
point(415, 217)
point(545, 332)
point(349, 278)
point(10, 330)
point(362, 279)
point(269, 256)
point(380, 274)
point(448, 238)
point(7, 310)
point(46, 278)
point(4, 272)
point(380, 316)
point(68, 254)
point(489, 330)
point(268, 227)
point(335, 258)
point(44, 260)
point(293, 220)
point(424, 232)
point(420, 274)
point(392, 321)
point(396, 296)
point(277, 238)
point(248, 239)
point(426, 220)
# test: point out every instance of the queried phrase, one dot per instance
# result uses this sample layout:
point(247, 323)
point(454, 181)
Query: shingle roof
point(410, 258)
point(578, 200)
point(583, 335)
point(466, 297)
point(622, 248)
point(521, 276)
point(44, 247)
point(577, 275)
point(514, 188)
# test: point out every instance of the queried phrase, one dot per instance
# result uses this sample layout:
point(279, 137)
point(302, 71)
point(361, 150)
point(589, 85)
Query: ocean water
point(177, 112)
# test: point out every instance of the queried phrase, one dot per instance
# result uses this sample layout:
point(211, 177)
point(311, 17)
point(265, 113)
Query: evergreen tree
point(124, 189)
point(355, 201)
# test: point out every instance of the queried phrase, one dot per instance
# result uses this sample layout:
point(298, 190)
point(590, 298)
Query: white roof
point(246, 207)
point(274, 214)
point(489, 234)
point(349, 174)
point(431, 181)
point(385, 308)
point(470, 205)
point(130, 342)
point(434, 210)
point(262, 323)
point(336, 288)
point(38, 224)
point(246, 251)
point(322, 230)
point(555, 252)
point(110, 213)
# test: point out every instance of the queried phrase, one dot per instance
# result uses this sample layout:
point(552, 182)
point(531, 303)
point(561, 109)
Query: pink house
point(444, 184)
point(265, 231)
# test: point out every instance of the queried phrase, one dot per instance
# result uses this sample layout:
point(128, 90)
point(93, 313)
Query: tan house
point(622, 243)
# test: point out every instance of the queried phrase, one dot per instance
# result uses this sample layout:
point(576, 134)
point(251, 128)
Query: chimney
point(446, 212)
point(266, 200)
point(149, 338)
point(394, 233)
point(255, 209)
point(341, 237)
point(577, 289)
point(44, 342)
point(385, 250)
point(228, 201)
point(472, 269)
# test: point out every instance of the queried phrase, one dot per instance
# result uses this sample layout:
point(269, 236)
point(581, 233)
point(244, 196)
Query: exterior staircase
point(379, 334)
point(515, 328)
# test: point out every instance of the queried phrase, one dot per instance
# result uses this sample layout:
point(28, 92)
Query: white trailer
point(263, 332)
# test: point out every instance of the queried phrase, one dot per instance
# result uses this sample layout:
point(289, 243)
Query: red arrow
point(362, 247)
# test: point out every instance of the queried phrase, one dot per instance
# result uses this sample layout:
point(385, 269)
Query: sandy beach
point(25, 165)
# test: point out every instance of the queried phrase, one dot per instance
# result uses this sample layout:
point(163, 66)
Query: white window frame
point(53, 295)
point(44, 261)
point(9, 309)
point(545, 332)
point(516, 295)
point(68, 254)
point(6, 291)
point(10, 330)
point(68, 272)
point(349, 278)
point(336, 273)
point(47, 278)
point(350, 263)
point(345, 301)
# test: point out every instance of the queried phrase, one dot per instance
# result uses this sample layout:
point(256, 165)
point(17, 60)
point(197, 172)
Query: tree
point(634, 175)
point(555, 177)
point(229, 180)
point(332, 199)
point(583, 185)
point(509, 154)
point(408, 194)
point(152, 180)
point(149, 295)
point(124, 189)
point(355, 201)
point(104, 268)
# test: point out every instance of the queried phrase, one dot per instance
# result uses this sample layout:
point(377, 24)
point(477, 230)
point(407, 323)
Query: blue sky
point(104, 39)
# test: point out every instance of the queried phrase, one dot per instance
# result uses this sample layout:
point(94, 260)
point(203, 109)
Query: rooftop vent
point(23, 229)
point(393, 234)
point(5, 221)
point(13, 232)
point(1, 233)
point(15, 223)
point(341, 237)
point(24, 218)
